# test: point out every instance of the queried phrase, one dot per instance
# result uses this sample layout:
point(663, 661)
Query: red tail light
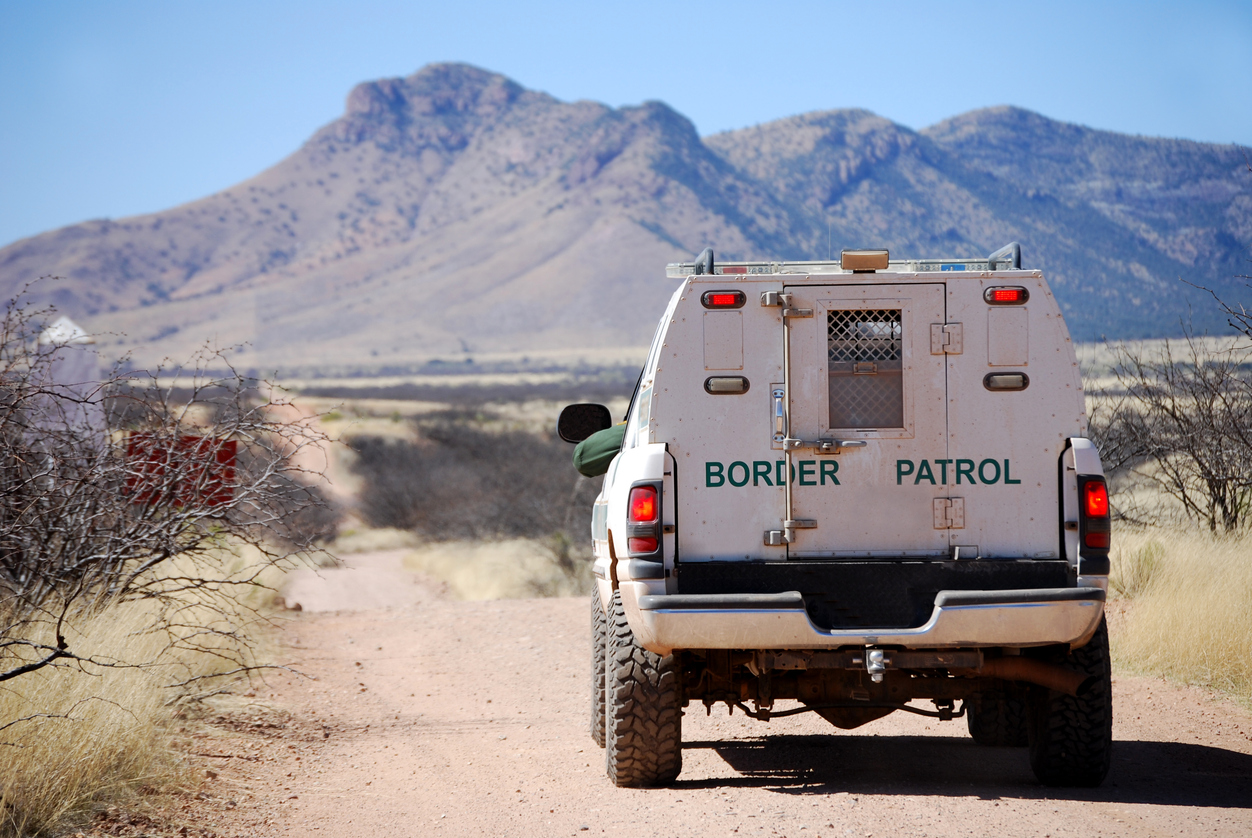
point(1096, 500)
point(1006, 296)
point(641, 545)
point(643, 507)
point(723, 299)
point(1094, 511)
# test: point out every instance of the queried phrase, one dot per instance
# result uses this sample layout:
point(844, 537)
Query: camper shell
point(855, 484)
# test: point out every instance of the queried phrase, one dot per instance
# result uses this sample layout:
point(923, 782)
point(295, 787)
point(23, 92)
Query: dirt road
point(430, 716)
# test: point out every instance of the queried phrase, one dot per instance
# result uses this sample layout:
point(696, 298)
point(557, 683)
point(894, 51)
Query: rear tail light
point(643, 505)
point(643, 520)
point(1006, 295)
point(1096, 500)
point(1095, 523)
point(723, 299)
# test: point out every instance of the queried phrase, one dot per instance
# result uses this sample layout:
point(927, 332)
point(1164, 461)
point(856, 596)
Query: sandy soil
point(424, 715)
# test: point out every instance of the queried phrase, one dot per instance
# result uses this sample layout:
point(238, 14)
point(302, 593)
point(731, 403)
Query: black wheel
point(1071, 738)
point(998, 718)
point(643, 719)
point(599, 638)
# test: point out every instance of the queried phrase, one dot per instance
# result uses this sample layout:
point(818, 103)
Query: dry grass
point(511, 569)
point(1190, 612)
point(92, 734)
point(77, 736)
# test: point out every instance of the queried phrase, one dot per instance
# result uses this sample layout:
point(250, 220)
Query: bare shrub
point(462, 482)
point(1179, 421)
point(110, 490)
point(143, 518)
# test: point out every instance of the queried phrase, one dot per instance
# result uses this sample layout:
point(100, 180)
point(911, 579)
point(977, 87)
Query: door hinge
point(946, 338)
point(949, 513)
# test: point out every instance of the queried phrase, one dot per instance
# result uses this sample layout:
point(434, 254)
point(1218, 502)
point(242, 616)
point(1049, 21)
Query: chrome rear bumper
point(964, 619)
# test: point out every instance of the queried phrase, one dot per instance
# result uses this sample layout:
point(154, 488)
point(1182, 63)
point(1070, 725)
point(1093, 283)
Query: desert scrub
point(1191, 597)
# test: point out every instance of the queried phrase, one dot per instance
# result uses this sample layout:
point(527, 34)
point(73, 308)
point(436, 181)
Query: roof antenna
point(1002, 255)
point(704, 262)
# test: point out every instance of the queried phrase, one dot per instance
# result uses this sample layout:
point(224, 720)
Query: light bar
point(863, 260)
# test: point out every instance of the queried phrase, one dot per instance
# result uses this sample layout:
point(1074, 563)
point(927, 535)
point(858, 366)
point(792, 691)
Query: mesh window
point(866, 385)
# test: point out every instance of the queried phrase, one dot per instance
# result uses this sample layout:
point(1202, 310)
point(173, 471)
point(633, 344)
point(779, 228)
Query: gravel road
point(429, 716)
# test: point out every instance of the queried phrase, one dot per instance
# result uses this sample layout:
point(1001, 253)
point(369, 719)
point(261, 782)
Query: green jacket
point(593, 455)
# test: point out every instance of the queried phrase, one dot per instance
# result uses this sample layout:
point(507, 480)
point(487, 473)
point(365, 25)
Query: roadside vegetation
point(491, 500)
point(143, 521)
point(1173, 420)
point(1187, 599)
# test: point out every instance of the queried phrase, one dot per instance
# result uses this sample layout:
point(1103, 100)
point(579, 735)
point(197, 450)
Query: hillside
point(454, 212)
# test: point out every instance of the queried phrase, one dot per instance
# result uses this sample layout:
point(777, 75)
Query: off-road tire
point(1071, 738)
point(599, 639)
point(998, 719)
point(643, 719)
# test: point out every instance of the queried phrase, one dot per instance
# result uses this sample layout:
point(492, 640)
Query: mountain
point(454, 212)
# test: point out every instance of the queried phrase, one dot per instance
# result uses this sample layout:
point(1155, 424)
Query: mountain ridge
point(454, 211)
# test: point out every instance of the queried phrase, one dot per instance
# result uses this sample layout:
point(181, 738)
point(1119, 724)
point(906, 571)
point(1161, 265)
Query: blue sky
point(112, 109)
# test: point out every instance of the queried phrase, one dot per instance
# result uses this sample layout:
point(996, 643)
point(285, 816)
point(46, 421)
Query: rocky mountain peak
point(455, 211)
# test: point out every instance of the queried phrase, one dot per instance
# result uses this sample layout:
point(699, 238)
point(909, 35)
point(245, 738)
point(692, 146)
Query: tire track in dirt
point(442, 717)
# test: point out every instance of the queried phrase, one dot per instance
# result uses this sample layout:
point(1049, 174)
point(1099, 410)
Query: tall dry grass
point(516, 568)
point(81, 735)
point(1190, 607)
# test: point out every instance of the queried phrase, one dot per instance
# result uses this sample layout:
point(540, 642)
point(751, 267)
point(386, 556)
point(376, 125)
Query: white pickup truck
point(850, 486)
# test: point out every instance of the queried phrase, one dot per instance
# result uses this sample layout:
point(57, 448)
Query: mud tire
point(599, 640)
point(998, 719)
point(643, 719)
point(1071, 738)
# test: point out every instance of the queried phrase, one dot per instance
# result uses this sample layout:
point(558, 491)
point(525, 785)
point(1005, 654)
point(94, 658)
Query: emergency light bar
point(1007, 258)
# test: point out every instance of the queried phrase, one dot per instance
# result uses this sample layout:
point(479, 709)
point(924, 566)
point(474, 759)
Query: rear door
point(862, 371)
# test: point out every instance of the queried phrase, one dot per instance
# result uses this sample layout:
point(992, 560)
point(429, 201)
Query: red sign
point(180, 471)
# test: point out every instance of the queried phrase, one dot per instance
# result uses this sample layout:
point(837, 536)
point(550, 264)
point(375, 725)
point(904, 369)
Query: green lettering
point(923, 470)
point(829, 467)
point(730, 473)
point(982, 472)
point(900, 472)
point(808, 470)
point(780, 472)
point(943, 471)
point(713, 475)
point(965, 468)
point(1008, 479)
point(760, 471)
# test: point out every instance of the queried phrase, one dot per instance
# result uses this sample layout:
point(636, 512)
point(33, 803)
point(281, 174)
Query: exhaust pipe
point(1037, 672)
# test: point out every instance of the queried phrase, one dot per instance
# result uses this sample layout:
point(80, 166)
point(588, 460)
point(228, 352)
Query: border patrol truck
point(853, 487)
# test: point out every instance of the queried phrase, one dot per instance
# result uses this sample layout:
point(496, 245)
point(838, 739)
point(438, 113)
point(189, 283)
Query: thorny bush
point(463, 481)
point(120, 487)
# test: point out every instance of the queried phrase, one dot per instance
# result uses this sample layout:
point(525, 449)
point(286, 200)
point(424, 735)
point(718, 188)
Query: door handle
point(823, 446)
point(780, 414)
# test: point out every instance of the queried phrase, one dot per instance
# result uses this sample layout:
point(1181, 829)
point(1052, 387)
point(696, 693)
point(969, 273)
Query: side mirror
point(579, 421)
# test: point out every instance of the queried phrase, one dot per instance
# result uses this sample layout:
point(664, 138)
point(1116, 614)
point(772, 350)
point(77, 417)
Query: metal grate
point(860, 335)
point(865, 348)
